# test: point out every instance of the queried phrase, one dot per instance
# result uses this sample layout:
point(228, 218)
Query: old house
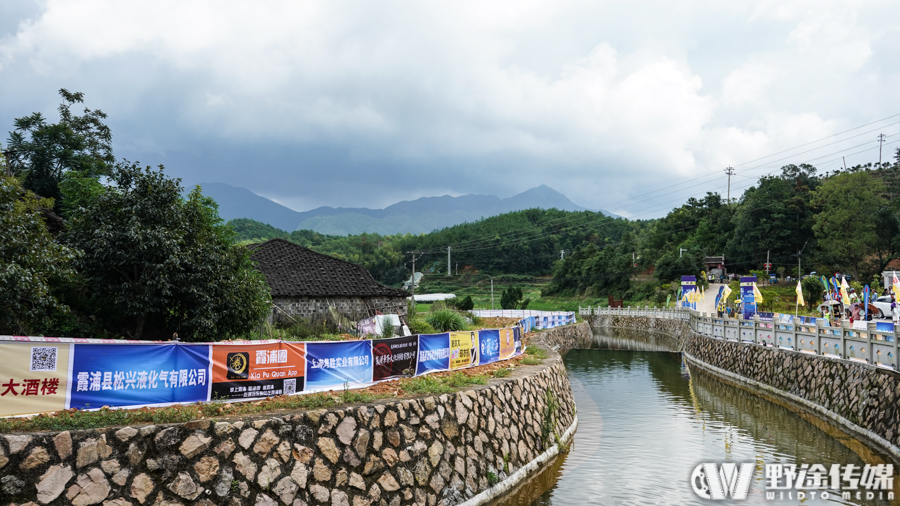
point(305, 283)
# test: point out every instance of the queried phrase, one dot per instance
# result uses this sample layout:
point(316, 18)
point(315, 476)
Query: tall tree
point(31, 262)
point(847, 221)
point(43, 152)
point(164, 262)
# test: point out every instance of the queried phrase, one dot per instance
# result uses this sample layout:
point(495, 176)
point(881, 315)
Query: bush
point(420, 326)
point(812, 291)
point(445, 320)
point(465, 304)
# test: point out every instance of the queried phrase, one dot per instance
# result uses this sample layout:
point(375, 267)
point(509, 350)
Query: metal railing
point(864, 342)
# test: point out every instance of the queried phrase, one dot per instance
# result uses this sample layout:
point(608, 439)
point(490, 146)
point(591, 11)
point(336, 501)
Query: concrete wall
point(860, 397)
point(424, 451)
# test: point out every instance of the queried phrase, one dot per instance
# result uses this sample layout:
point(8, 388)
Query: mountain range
point(409, 216)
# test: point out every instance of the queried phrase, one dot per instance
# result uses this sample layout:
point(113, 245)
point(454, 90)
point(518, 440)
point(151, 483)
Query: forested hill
point(521, 242)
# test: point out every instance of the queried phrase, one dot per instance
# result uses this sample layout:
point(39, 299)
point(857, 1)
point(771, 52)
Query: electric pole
point(448, 262)
point(730, 171)
point(880, 142)
point(562, 254)
point(412, 284)
point(492, 294)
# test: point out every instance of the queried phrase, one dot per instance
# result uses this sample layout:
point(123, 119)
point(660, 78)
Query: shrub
point(445, 320)
point(465, 304)
point(812, 291)
point(420, 326)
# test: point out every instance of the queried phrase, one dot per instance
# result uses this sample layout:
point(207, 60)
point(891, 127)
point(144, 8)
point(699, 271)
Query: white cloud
point(592, 92)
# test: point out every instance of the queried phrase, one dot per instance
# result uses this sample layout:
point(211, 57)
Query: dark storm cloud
point(360, 104)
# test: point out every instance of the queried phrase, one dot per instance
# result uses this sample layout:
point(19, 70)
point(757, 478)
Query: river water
point(645, 424)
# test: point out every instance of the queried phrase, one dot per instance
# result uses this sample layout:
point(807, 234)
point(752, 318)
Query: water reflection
point(644, 426)
point(634, 340)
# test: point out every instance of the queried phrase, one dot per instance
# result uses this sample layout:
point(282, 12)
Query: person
point(853, 296)
point(895, 310)
point(854, 315)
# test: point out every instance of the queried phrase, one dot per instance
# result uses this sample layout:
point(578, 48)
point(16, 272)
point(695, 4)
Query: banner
point(748, 298)
point(34, 377)
point(463, 349)
point(394, 357)
point(247, 371)
point(517, 335)
point(366, 327)
point(489, 346)
point(688, 285)
point(508, 342)
point(434, 353)
point(138, 374)
point(335, 363)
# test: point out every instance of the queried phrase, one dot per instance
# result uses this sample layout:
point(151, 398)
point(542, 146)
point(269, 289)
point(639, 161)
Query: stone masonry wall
point(306, 307)
point(864, 395)
point(569, 337)
point(423, 451)
point(678, 329)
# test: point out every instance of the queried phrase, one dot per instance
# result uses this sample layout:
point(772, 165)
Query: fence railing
point(873, 343)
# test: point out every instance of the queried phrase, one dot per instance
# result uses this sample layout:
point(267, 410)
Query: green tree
point(165, 263)
point(775, 216)
point(44, 152)
point(846, 223)
point(511, 298)
point(31, 262)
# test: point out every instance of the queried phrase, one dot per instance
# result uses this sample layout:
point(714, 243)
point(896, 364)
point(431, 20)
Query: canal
point(645, 423)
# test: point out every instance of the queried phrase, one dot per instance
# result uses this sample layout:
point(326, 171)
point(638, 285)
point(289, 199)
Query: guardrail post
point(756, 328)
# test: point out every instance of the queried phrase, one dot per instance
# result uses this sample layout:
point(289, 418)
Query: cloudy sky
point(624, 106)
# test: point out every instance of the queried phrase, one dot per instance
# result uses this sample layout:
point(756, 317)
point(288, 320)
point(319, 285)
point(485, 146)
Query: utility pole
point(562, 254)
point(412, 284)
point(768, 265)
point(730, 171)
point(880, 142)
point(681, 252)
point(492, 294)
point(448, 262)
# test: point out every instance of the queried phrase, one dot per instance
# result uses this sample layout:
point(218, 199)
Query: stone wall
point(306, 307)
point(860, 397)
point(568, 337)
point(424, 451)
point(678, 329)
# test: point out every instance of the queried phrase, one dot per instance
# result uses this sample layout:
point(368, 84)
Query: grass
point(74, 419)
point(436, 385)
point(502, 373)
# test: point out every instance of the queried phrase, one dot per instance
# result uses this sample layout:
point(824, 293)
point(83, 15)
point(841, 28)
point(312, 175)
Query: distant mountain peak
point(417, 216)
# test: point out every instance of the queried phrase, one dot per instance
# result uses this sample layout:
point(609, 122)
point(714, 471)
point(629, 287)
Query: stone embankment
point(425, 451)
point(859, 397)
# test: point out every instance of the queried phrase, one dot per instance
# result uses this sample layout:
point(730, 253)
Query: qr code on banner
point(290, 386)
point(43, 358)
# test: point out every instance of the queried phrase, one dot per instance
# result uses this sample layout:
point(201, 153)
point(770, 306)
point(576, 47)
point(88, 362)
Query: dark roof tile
point(294, 271)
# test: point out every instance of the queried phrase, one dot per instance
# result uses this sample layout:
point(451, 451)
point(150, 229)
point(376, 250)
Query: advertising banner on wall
point(434, 353)
point(517, 334)
point(463, 349)
point(688, 285)
point(34, 377)
point(138, 374)
point(394, 357)
point(508, 342)
point(748, 300)
point(330, 365)
point(248, 371)
point(489, 346)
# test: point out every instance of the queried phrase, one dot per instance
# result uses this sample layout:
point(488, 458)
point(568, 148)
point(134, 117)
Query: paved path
point(708, 306)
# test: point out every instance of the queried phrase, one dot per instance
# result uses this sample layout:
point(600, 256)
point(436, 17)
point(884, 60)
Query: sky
point(630, 107)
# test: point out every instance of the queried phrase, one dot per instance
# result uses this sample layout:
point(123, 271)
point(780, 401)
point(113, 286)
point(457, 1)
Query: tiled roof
point(294, 271)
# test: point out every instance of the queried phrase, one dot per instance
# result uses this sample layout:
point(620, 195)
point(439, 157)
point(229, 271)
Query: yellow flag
point(845, 291)
point(895, 284)
point(800, 295)
point(757, 295)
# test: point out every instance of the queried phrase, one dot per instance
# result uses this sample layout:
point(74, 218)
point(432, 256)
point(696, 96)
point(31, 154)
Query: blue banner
point(434, 353)
point(489, 342)
point(688, 285)
point(333, 364)
point(748, 299)
point(135, 374)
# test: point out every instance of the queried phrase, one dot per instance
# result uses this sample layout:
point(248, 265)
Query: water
point(644, 425)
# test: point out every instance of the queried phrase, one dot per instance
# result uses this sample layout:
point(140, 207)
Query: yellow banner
point(33, 377)
point(507, 343)
point(463, 349)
